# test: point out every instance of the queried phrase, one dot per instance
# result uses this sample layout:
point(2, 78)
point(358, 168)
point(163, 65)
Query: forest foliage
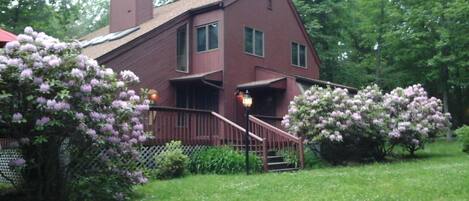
point(394, 43)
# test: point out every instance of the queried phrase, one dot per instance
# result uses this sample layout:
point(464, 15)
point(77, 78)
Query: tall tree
point(394, 43)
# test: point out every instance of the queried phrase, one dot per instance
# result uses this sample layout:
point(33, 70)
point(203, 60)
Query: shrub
point(463, 134)
point(345, 127)
point(368, 125)
point(312, 160)
point(172, 162)
point(415, 118)
point(57, 102)
point(223, 160)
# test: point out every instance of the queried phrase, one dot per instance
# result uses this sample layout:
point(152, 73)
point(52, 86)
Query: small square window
point(207, 37)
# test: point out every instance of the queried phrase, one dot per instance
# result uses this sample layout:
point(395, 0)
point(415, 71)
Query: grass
point(440, 172)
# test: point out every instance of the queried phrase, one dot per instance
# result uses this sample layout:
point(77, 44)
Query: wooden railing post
point(264, 155)
point(302, 153)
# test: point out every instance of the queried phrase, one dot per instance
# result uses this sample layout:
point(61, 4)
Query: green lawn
point(441, 172)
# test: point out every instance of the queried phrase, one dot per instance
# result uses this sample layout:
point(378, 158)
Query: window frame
point(207, 37)
point(254, 42)
point(298, 54)
point(186, 26)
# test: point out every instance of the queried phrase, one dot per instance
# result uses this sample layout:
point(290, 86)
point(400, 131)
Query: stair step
point(284, 170)
point(274, 159)
point(278, 165)
point(272, 153)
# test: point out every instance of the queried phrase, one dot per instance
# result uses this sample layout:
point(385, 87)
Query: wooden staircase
point(201, 127)
point(278, 164)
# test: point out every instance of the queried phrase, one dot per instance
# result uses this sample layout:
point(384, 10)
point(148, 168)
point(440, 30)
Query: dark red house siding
point(280, 28)
point(154, 61)
point(153, 58)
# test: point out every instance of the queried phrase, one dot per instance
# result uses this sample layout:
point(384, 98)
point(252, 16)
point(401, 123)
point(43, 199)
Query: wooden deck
point(202, 127)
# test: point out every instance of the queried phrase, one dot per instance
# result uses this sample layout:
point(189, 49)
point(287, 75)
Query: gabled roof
point(165, 14)
point(323, 83)
point(161, 15)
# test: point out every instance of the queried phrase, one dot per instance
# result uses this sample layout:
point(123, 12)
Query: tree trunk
point(44, 177)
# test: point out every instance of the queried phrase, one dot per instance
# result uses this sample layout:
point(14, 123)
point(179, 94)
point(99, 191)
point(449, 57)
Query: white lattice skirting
point(147, 155)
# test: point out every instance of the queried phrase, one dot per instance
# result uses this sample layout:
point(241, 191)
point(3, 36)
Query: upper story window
point(182, 49)
point(298, 54)
point(254, 41)
point(207, 37)
point(269, 4)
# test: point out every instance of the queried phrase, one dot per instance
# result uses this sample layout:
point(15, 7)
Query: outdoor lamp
point(153, 95)
point(247, 100)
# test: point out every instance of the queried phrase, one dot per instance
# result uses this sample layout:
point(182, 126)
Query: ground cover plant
point(63, 109)
point(222, 160)
point(439, 172)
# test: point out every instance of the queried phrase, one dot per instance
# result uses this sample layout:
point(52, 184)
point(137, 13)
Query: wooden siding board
point(280, 27)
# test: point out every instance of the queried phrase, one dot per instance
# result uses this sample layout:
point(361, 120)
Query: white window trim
point(306, 55)
point(254, 42)
point(207, 39)
point(187, 50)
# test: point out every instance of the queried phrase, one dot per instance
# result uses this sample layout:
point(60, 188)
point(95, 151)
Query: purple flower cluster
point(17, 118)
point(42, 121)
point(17, 163)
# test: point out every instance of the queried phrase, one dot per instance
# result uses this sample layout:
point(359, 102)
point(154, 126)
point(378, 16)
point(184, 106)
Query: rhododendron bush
point(415, 117)
point(61, 107)
point(366, 125)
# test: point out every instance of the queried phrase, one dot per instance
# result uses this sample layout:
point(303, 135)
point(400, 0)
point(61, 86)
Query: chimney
point(125, 14)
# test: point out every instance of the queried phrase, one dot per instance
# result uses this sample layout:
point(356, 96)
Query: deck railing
point(202, 127)
point(277, 139)
point(191, 127)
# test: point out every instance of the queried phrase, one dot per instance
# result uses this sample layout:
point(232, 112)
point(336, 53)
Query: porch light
point(247, 100)
point(153, 95)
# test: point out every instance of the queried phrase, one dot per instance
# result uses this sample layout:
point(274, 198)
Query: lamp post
point(247, 103)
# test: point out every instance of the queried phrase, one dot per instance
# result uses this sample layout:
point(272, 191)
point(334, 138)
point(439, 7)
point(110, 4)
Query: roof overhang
point(6, 36)
point(274, 84)
point(322, 83)
point(213, 78)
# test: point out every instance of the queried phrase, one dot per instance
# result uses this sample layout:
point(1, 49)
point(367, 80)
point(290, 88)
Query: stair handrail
point(295, 139)
point(275, 129)
point(237, 126)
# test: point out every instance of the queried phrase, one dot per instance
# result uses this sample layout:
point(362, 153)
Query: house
point(199, 53)
point(6, 37)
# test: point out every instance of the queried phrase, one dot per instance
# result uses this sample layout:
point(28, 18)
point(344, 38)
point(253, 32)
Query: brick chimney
point(125, 14)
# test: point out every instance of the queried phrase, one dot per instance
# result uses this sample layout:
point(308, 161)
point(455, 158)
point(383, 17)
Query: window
point(182, 50)
point(207, 37)
point(254, 42)
point(269, 4)
point(298, 55)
